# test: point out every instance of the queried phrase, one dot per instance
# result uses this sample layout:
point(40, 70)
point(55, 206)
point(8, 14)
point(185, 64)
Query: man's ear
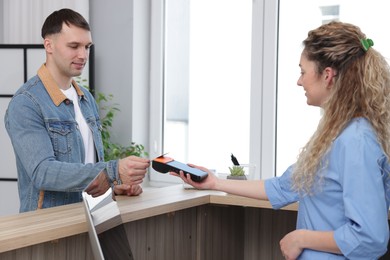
point(329, 74)
point(48, 44)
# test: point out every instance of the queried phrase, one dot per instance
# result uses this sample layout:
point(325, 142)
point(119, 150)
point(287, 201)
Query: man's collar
point(52, 88)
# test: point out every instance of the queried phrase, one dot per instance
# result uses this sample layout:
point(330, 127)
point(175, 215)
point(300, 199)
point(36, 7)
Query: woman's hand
point(208, 183)
point(290, 245)
point(251, 188)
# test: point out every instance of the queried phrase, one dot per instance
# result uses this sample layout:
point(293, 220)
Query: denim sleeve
point(365, 234)
point(112, 171)
point(279, 190)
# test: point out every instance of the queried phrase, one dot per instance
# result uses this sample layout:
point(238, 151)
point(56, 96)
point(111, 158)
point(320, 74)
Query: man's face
point(68, 51)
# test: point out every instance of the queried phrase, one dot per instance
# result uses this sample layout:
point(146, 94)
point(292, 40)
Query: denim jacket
point(48, 146)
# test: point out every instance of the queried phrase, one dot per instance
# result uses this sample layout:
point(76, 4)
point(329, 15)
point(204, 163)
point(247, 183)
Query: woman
point(341, 177)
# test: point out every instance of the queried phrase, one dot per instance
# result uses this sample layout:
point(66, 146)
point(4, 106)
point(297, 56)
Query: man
point(54, 126)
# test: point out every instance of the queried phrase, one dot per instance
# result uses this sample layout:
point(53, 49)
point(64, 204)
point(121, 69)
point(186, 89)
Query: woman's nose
point(299, 83)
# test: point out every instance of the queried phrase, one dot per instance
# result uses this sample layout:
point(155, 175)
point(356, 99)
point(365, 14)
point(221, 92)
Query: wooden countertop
point(30, 228)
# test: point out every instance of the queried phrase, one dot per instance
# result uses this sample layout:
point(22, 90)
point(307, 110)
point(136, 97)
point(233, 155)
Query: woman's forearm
point(252, 189)
point(296, 241)
point(320, 241)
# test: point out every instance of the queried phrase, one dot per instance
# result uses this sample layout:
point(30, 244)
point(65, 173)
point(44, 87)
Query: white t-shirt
point(85, 131)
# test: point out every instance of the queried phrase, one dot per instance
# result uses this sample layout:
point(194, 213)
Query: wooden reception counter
point(162, 223)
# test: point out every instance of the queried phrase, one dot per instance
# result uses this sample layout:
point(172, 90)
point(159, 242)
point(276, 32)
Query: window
point(192, 110)
point(207, 103)
point(296, 121)
point(207, 97)
point(330, 13)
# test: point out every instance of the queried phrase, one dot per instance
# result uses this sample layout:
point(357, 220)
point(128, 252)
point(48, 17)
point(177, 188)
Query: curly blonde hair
point(361, 88)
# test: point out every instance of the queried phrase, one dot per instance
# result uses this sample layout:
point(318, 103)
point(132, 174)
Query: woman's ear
point(329, 74)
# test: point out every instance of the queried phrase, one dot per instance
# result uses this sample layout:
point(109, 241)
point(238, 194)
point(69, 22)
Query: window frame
point(263, 88)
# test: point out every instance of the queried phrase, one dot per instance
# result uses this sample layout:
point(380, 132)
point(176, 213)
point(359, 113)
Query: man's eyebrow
point(79, 43)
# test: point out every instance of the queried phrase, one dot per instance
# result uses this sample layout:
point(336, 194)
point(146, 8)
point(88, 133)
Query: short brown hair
point(53, 23)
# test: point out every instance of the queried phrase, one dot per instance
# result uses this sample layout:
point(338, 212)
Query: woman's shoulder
point(358, 129)
point(358, 125)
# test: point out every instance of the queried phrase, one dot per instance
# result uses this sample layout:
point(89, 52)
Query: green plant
point(237, 170)
point(108, 110)
point(112, 150)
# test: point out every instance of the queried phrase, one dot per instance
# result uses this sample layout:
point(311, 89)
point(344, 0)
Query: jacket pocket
point(61, 136)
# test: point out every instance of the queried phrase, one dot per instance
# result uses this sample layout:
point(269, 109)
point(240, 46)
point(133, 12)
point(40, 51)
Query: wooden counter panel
point(40, 226)
point(210, 232)
point(164, 223)
point(156, 202)
point(69, 248)
point(170, 236)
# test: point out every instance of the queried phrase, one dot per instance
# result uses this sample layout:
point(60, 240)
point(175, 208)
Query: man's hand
point(129, 190)
point(99, 186)
point(132, 169)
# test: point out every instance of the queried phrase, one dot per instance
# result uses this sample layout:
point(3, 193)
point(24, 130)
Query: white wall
point(120, 32)
point(22, 20)
point(1, 21)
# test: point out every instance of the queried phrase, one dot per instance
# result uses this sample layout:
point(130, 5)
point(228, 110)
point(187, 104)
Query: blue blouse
point(352, 198)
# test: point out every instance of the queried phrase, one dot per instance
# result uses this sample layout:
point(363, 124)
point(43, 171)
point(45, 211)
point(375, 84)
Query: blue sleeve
point(279, 190)
point(365, 234)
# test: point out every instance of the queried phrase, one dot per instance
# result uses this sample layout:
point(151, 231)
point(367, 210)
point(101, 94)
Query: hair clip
point(367, 43)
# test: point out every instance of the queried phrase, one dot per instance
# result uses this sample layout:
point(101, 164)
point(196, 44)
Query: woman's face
point(316, 86)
